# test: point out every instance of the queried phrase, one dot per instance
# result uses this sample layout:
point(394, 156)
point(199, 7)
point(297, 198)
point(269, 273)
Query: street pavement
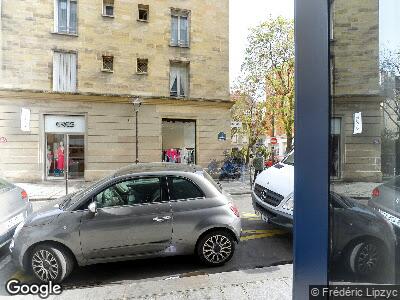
point(262, 245)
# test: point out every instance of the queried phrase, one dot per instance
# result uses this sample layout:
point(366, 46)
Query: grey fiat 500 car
point(141, 211)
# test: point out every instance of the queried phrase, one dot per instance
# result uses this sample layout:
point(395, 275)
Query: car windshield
point(289, 159)
point(79, 194)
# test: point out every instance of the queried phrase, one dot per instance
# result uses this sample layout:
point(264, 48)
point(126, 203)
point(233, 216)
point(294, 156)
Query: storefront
point(179, 141)
point(64, 146)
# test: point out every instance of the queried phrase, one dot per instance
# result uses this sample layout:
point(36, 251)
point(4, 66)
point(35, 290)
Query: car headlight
point(289, 204)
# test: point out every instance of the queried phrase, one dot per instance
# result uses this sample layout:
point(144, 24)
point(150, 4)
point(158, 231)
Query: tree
point(269, 63)
point(249, 111)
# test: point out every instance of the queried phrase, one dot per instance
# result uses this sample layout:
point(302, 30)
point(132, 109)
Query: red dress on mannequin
point(60, 159)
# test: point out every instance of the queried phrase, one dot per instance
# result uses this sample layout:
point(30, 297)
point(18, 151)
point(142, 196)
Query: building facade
point(71, 68)
point(355, 88)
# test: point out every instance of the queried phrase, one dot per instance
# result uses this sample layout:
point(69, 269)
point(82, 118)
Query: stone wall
point(110, 136)
point(28, 42)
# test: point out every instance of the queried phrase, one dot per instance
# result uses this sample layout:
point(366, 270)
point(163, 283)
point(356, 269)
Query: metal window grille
point(108, 63)
point(142, 66)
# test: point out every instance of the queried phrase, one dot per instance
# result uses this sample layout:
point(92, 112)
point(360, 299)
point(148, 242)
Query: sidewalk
point(272, 283)
point(50, 190)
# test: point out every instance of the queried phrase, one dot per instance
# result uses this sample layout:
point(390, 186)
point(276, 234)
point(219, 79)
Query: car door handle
point(162, 219)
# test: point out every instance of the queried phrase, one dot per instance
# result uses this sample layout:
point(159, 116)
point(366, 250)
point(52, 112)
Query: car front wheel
point(50, 263)
point(365, 258)
point(216, 248)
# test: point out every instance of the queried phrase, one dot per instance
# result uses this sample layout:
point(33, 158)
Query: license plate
point(392, 219)
point(11, 223)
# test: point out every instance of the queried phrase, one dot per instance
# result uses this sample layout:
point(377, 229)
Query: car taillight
point(375, 192)
point(24, 195)
point(234, 209)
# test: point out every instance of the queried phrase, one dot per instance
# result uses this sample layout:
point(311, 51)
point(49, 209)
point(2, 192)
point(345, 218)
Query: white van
point(273, 193)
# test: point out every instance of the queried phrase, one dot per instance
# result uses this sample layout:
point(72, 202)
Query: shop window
point(64, 72)
point(142, 66)
point(108, 8)
point(143, 13)
point(179, 79)
point(181, 188)
point(179, 28)
point(108, 63)
point(65, 20)
point(179, 141)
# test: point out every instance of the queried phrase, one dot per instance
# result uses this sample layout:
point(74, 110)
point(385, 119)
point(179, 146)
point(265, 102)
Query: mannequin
point(49, 159)
point(60, 157)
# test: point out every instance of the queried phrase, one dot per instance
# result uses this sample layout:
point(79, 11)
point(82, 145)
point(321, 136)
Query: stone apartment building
point(355, 88)
point(71, 68)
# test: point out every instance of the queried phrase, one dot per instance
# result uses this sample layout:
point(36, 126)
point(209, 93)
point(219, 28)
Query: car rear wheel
point(365, 258)
point(50, 263)
point(216, 248)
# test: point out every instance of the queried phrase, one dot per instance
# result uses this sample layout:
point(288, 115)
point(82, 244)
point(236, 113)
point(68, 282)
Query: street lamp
point(136, 105)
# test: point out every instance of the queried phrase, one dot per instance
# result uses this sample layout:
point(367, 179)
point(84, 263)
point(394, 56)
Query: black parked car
point(361, 238)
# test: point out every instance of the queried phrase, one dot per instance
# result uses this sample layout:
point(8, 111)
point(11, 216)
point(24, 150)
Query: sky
point(389, 24)
point(245, 14)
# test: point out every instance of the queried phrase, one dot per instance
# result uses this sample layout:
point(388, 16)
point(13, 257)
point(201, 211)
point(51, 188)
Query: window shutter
point(64, 72)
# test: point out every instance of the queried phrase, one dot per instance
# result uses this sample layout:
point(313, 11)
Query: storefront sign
point(25, 119)
point(357, 123)
point(65, 124)
point(221, 136)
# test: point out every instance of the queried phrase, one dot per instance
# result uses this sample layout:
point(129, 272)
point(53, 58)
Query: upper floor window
point(108, 63)
point(180, 28)
point(64, 72)
point(143, 12)
point(179, 79)
point(142, 66)
point(65, 20)
point(108, 8)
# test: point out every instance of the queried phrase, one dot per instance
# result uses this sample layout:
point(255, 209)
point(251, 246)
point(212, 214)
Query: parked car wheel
point(50, 263)
point(216, 248)
point(365, 258)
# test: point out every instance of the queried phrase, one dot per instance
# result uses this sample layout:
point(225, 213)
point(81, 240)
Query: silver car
point(141, 211)
point(14, 208)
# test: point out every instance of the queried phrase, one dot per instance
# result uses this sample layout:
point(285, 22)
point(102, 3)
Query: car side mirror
point(93, 207)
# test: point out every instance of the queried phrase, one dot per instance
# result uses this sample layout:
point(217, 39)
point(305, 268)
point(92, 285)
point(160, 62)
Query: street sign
point(221, 136)
point(358, 128)
point(273, 141)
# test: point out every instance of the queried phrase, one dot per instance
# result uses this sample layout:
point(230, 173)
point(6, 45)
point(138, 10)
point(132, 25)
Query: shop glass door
point(55, 155)
point(65, 152)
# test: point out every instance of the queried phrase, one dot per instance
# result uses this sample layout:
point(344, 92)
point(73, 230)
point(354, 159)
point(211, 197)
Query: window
point(131, 192)
point(179, 28)
point(108, 63)
point(64, 72)
point(108, 8)
point(143, 11)
point(65, 20)
point(181, 188)
point(179, 80)
point(142, 66)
